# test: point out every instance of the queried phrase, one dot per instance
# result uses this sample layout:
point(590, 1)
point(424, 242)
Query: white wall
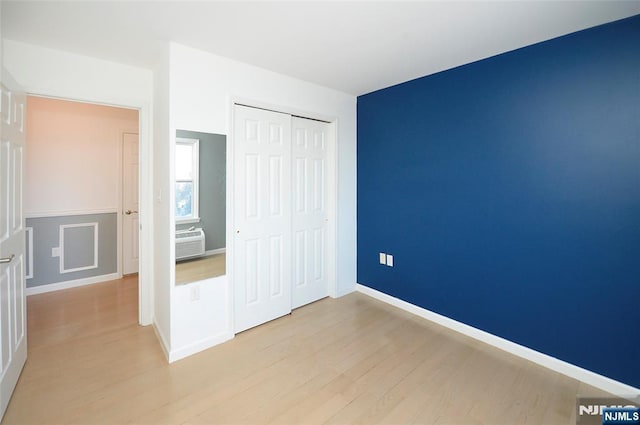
point(192, 90)
point(1, 40)
point(54, 73)
point(66, 75)
point(72, 162)
point(202, 89)
point(163, 222)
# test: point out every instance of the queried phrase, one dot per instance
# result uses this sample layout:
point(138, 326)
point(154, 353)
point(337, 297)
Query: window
point(187, 154)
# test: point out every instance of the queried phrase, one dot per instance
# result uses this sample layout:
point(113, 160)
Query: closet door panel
point(262, 216)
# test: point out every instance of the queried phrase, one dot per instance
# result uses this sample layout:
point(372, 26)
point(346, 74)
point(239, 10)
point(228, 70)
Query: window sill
point(188, 220)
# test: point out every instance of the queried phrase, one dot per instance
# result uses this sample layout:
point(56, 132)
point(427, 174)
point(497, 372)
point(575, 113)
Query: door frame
point(145, 198)
point(332, 190)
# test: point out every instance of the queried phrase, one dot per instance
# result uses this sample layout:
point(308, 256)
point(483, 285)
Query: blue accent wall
point(508, 191)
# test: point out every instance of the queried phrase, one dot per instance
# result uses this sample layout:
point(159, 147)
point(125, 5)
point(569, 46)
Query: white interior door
point(262, 216)
point(130, 222)
point(310, 219)
point(13, 331)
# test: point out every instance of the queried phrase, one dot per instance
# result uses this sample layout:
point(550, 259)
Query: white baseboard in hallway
point(41, 289)
point(588, 377)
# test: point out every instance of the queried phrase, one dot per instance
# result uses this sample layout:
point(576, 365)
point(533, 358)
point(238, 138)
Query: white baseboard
point(215, 252)
point(557, 365)
point(41, 289)
point(198, 346)
point(335, 293)
point(163, 342)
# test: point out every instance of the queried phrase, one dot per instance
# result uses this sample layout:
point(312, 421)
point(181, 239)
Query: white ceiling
point(354, 46)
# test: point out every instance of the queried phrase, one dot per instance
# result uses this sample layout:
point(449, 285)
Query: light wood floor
point(200, 268)
point(351, 360)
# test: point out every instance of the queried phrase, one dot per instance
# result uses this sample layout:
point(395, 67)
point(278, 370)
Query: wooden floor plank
point(352, 360)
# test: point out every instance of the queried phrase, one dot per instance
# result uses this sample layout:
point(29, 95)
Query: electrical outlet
point(389, 260)
point(383, 258)
point(195, 293)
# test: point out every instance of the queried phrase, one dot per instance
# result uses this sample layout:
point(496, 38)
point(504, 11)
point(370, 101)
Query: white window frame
point(195, 216)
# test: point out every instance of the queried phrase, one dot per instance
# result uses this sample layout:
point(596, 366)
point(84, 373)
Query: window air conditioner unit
point(189, 243)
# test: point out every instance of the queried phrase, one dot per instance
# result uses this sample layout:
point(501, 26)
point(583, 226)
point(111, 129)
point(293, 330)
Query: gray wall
point(213, 182)
point(78, 247)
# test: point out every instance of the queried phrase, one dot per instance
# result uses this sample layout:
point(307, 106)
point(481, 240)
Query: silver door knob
point(129, 212)
point(7, 259)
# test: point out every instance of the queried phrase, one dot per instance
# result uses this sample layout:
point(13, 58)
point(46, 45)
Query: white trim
point(95, 247)
point(332, 209)
point(163, 341)
point(44, 214)
point(215, 252)
point(195, 179)
point(198, 346)
point(58, 286)
point(188, 220)
point(229, 214)
point(145, 216)
point(557, 365)
point(302, 113)
point(29, 232)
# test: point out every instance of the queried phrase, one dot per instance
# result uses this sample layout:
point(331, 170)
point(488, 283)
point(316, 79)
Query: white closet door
point(309, 149)
point(262, 216)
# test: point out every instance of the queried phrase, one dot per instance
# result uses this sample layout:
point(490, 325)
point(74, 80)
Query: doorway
point(73, 191)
